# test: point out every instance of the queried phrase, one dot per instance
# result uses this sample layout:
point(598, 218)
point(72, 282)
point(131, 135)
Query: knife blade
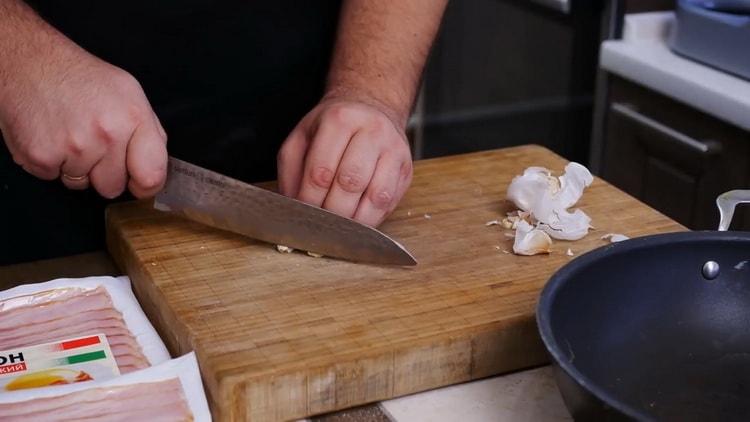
point(219, 201)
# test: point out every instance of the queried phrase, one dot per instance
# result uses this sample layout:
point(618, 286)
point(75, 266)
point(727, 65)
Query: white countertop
point(643, 56)
point(530, 395)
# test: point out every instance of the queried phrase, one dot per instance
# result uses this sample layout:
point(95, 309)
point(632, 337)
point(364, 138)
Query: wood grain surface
point(283, 336)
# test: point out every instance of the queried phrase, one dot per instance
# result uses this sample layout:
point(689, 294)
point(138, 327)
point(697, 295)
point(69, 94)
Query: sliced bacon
point(137, 362)
point(33, 299)
point(120, 339)
point(95, 319)
point(61, 314)
point(113, 334)
point(173, 413)
point(142, 401)
point(91, 300)
point(100, 317)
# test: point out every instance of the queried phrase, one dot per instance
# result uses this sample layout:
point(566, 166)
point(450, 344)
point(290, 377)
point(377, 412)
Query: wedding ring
point(75, 178)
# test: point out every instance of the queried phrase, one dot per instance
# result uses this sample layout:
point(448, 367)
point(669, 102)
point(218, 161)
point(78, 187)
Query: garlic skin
point(547, 199)
point(284, 249)
point(614, 237)
point(530, 241)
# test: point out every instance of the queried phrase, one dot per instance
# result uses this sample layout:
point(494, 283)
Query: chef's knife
point(228, 204)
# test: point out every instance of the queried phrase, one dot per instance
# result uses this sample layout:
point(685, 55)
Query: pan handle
point(726, 203)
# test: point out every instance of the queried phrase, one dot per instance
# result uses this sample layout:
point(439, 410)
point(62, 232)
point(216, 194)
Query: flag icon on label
point(63, 362)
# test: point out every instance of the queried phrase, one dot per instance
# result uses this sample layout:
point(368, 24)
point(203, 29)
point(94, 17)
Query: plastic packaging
point(119, 290)
point(184, 368)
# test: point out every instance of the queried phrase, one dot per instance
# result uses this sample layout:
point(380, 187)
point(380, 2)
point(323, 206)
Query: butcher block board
point(284, 336)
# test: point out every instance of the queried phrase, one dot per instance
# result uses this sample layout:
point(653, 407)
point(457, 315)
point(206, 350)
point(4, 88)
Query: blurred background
point(641, 91)
point(651, 95)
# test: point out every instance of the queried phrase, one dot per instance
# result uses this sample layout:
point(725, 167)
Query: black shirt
point(228, 81)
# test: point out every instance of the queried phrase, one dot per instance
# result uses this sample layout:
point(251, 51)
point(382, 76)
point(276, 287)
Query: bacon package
point(170, 391)
point(61, 309)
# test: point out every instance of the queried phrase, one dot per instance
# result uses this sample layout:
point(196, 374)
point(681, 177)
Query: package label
point(62, 362)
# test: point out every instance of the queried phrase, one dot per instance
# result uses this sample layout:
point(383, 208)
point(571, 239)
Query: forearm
point(25, 38)
point(380, 51)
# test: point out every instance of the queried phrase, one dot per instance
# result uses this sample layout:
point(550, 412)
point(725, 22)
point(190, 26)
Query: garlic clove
point(530, 241)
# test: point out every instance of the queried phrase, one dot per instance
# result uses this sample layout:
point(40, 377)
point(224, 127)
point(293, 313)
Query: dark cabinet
point(673, 157)
point(508, 72)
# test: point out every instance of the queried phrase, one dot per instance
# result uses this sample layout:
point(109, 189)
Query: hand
point(71, 115)
point(348, 157)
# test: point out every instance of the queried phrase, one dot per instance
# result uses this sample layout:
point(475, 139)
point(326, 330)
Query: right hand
point(70, 115)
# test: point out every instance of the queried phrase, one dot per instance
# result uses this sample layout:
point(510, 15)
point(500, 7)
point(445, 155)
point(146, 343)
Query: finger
point(382, 193)
point(323, 156)
point(43, 162)
point(159, 127)
point(404, 181)
point(110, 175)
point(290, 163)
point(78, 164)
point(353, 175)
point(146, 161)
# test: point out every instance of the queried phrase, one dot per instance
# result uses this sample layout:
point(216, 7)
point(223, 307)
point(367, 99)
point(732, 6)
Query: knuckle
point(75, 146)
point(150, 181)
point(406, 170)
point(321, 177)
point(110, 131)
point(381, 198)
point(39, 158)
point(379, 124)
point(352, 180)
point(283, 155)
point(125, 80)
point(341, 114)
point(135, 113)
point(18, 158)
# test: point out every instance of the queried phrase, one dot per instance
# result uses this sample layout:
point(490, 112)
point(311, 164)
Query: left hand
point(349, 157)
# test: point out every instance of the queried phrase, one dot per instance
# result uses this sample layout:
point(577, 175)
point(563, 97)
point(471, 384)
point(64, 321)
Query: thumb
point(147, 161)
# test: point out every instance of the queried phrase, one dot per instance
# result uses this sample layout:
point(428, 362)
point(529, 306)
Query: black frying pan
point(646, 329)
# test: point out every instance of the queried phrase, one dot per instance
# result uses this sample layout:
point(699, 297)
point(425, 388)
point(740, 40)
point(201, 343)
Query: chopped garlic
point(427, 216)
point(615, 237)
point(569, 252)
point(548, 198)
point(284, 249)
point(530, 240)
point(510, 222)
point(492, 223)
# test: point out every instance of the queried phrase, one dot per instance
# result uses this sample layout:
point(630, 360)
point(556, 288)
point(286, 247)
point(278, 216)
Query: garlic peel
point(284, 249)
point(614, 237)
point(547, 199)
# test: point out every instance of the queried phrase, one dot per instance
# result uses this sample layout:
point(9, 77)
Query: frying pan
point(654, 328)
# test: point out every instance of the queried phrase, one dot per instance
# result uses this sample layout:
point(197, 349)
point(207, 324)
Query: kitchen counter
point(644, 57)
point(529, 395)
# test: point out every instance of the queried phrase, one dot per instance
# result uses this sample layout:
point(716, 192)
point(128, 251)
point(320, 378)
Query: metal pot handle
point(726, 203)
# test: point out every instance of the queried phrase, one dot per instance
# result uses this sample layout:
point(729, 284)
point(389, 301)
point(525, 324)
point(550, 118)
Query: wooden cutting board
point(283, 336)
